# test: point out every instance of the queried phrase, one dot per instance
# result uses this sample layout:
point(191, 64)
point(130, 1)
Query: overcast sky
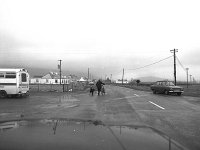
point(105, 36)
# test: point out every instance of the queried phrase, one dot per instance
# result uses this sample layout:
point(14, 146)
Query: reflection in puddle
point(8, 125)
point(124, 135)
point(84, 134)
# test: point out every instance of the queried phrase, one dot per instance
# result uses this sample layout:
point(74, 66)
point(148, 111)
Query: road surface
point(176, 116)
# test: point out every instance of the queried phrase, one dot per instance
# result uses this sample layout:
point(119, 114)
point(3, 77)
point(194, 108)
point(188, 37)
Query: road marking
point(123, 98)
point(156, 105)
point(127, 97)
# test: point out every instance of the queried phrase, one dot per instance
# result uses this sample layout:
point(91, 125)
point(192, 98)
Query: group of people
point(100, 88)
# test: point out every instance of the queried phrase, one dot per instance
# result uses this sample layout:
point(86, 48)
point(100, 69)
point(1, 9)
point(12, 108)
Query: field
point(192, 90)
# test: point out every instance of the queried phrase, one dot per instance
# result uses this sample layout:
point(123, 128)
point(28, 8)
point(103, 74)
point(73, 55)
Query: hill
point(150, 79)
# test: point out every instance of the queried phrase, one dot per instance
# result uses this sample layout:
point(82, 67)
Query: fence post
point(38, 87)
point(51, 87)
point(67, 87)
point(72, 87)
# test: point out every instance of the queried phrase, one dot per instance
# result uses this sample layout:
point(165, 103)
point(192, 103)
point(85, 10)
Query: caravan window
point(24, 77)
point(1, 75)
point(10, 75)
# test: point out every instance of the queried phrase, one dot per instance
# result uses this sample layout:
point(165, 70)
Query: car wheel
point(166, 92)
point(3, 94)
point(154, 91)
point(179, 94)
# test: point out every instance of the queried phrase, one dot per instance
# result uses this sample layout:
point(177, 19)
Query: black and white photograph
point(99, 75)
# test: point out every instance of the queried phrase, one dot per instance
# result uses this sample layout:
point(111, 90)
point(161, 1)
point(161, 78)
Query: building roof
point(13, 69)
point(82, 79)
point(37, 76)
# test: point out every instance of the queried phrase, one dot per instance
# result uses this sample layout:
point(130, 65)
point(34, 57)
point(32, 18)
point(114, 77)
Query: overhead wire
point(181, 64)
point(151, 63)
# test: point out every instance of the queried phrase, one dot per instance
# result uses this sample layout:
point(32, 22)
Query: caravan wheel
point(3, 94)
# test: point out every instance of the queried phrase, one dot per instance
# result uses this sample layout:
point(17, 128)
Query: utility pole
point(174, 51)
point(194, 81)
point(190, 79)
point(123, 76)
point(88, 73)
point(187, 76)
point(60, 71)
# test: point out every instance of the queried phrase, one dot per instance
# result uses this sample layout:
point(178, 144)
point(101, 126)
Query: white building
point(50, 78)
point(125, 81)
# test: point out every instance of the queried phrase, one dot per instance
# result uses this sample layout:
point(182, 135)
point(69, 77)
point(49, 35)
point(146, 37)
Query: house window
point(56, 81)
point(47, 80)
point(37, 80)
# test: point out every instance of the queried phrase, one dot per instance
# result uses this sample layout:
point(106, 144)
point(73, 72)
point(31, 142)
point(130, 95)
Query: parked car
point(166, 87)
point(91, 83)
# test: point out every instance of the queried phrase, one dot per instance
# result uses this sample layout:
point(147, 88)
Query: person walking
point(92, 89)
point(99, 84)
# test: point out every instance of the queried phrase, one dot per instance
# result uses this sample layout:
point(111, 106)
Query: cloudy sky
point(105, 36)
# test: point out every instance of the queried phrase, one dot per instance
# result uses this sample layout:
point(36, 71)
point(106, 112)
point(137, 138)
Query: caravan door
point(23, 82)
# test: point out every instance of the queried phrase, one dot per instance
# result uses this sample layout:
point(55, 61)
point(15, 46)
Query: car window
point(158, 83)
point(171, 83)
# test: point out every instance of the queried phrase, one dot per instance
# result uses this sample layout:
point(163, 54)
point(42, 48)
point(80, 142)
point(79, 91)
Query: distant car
point(166, 87)
point(91, 83)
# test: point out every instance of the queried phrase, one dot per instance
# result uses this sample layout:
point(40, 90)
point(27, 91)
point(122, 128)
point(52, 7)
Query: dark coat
point(98, 84)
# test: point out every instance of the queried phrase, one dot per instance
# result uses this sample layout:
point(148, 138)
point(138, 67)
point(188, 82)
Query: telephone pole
point(88, 73)
point(174, 51)
point(60, 71)
point(187, 76)
point(123, 76)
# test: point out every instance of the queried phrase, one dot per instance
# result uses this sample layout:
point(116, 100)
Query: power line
point(151, 63)
point(181, 64)
point(116, 72)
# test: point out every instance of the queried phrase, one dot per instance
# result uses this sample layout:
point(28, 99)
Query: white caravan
point(14, 82)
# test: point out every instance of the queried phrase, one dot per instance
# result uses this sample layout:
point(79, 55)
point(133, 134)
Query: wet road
point(176, 116)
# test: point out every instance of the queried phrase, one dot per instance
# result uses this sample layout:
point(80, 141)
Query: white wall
point(48, 81)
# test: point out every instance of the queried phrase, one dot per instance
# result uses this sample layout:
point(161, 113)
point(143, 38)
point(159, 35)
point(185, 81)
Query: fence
point(72, 87)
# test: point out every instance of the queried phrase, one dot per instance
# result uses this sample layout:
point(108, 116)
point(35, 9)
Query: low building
point(125, 81)
point(82, 79)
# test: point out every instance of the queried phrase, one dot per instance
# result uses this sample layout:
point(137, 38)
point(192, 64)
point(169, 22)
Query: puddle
point(8, 125)
point(6, 115)
point(54, 133)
